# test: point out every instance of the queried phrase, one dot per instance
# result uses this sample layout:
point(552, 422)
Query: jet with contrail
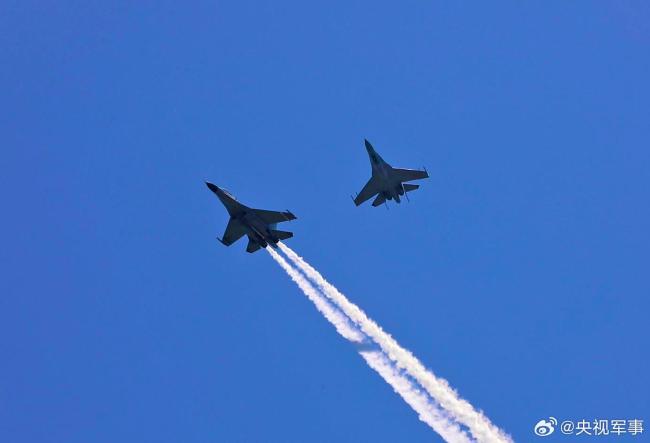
point(258, 224)
point(387, 183)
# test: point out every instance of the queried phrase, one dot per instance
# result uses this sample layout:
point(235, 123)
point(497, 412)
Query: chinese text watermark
point(546, 427)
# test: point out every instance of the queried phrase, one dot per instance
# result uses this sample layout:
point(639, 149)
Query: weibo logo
point(545, 428)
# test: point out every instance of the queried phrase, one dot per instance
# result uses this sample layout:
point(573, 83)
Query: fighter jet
point(387, 183)
point(258, 224)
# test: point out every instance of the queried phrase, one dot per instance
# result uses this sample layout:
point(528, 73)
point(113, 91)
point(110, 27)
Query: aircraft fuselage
point(393, 187)
point(257, 228)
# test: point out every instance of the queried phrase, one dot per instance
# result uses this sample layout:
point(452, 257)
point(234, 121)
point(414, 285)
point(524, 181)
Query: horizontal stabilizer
point(408, 187)
point(379, 200)
point(252, 245)
point(282, 235)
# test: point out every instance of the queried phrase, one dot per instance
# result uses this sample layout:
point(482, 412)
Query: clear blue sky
point(519, 271)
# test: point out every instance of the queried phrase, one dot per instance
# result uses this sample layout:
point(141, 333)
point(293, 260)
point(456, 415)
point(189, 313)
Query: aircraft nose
point(212, 187)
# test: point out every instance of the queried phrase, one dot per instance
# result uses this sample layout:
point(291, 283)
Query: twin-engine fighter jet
point(257, 224)
point(387, 183)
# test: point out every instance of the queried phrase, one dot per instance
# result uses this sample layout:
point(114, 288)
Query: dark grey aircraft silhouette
point(257, 224)
point(387, 183)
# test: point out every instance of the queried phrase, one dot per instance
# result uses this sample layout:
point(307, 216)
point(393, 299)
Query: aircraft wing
point(234, 231)
point(369, 190)
point(272, 217)
point(405, 175)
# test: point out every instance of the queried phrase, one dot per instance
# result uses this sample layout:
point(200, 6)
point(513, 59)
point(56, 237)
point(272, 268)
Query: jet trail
point(463, 412)
point(334, 316)
point(427, 410)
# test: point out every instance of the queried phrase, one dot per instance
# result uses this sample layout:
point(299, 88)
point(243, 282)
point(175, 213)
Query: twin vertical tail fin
point(253, 245)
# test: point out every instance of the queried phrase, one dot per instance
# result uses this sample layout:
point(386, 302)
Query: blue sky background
point(519, 271)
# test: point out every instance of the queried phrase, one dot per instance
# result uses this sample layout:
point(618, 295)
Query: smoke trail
point(334, 316)
point(463, 412)
point(416, 399)
point(427, 411)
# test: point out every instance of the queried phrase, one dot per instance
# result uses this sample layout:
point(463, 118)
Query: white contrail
point(427, 410)
point(463, 412)
point(333, 315)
